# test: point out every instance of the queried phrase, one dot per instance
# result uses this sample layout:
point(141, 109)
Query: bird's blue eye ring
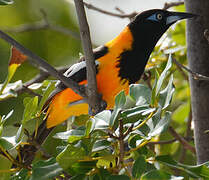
point(159, 16)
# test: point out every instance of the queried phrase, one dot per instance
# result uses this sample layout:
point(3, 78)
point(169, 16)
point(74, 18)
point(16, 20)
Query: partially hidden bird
point(119, 63)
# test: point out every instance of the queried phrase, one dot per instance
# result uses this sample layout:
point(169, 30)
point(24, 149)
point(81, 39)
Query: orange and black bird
point(119, 63)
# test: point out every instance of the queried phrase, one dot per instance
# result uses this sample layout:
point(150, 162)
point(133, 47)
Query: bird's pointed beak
point(175, 16)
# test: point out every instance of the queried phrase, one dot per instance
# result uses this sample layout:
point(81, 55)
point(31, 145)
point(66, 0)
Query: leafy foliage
point(121, 144)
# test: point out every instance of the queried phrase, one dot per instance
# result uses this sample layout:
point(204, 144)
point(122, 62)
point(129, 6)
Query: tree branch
point(122, 15)
point(185, 144)
point(172, 4)
point(93, 97)
point(37, 79)
point(41, 25)
point(195, 75)
point(44, 66)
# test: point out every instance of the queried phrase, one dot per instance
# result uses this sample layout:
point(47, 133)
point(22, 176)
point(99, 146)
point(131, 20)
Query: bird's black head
point(146, 28)
point(152, 24)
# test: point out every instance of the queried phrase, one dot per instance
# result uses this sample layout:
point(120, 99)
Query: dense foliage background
point(77, 153)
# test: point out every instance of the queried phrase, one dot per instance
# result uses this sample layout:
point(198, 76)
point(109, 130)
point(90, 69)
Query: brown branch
point(44, 66)
point(43, 25)
point(172, 4)
point(94, 99)
point(43, 75)
point(121, 142)
point(181, 71)
point(195, 75)
point(185, 144)
point(130, 16)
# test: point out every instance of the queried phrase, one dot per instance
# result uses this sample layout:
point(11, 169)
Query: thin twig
point(121, 143)
point(195, 75)
point(90, 6)
point(181, 71)
point(43, 25)
point(185, 144)
point(172, 4)
point(44, 66)
point(37, 79)
point(93, 96)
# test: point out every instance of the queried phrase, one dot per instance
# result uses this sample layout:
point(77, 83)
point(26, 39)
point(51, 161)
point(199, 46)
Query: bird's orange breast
point(108, 82)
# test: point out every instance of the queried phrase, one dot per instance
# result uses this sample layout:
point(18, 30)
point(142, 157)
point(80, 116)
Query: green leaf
point(159, 174)
point(30, 109)
point(71, 135)
point(6, 145)
point(135, 114)
point(78, 177)
point(11, 70)
point(70, 155)
point(118, 177)
point(45, 96)
point(153, 97)
point(22, 174)
point(5, 117)
point(139, 167)
point(100, 145)
point(9, 90)
point(166, 94)
point(199, 171)
point(82, 167)
point(101, 120)
point(19, 134)
point(44, 170)
point(140, 93)
point(6, 2)
point(120, 101)
point(163, 75)
point(161, 126)
point(88, 128)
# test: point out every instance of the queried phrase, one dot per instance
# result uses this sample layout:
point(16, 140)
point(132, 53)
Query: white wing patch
point(76, 67)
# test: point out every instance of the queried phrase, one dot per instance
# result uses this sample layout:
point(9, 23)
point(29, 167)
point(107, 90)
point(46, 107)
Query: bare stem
point(93, 97)
point(185, 144)
point(90, 6)
point(121, 142)
point(43, 65)
point(195, 75)
point(172, 4)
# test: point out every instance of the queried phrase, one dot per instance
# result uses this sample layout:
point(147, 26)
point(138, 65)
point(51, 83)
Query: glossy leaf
point(139, 167)
point(101, 120)
point(5, 144)
point(166, 94)
point(44, 170)
point(159, 174)
point(199, 171)
point(30, 109)
point(162, 125)
point(140, 93)
point(6, 2)
point(163, 75)
point(70, 155)
point(5, 117)
point(120, 101)
point(8, 90)
point(45, 96)
point(101, 145)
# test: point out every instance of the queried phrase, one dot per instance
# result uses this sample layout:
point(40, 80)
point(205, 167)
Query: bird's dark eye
point(159, 16)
